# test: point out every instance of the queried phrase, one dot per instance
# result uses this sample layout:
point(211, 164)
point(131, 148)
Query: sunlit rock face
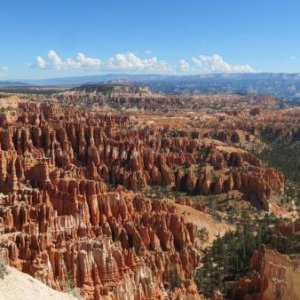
point(70, 210)
point(274, 276)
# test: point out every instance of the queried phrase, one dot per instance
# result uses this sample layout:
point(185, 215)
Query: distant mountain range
point(13, 83)
point(285, 86)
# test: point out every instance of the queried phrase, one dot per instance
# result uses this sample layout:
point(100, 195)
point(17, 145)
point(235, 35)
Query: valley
point(124, 192)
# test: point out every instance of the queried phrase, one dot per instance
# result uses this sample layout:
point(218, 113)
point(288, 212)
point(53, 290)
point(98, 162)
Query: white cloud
point(120, 62)
point(217, 64)
point(55, 62)
point(3, 69)
point(184, 66)
point(293, 58)
point(131, 62)
point(40, 62)
point(87, 61)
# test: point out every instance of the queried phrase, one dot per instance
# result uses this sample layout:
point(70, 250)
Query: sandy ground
point(283, 213)
point(20, 286)
point(202, 220)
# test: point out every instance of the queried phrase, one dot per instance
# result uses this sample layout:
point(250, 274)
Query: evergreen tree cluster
point(228, 257)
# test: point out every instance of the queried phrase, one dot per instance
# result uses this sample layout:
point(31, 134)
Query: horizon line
point(145, 75)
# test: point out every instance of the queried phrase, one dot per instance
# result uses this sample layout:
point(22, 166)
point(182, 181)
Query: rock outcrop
point(70, 210)
point(273, 277)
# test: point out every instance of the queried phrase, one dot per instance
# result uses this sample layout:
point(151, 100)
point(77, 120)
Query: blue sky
point(42, 39)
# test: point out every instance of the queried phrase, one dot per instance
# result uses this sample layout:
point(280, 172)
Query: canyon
point(111, 188)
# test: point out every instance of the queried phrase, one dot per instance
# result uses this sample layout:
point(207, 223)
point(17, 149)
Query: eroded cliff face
point(60, 223)
point(106, 242)
point(274, 276)
point(109, 150)
point(115, 97)
point(65, 214)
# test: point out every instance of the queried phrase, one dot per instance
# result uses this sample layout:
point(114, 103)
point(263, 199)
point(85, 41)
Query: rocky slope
point(72, 206)
point(19, 286)
point(60, 222)
point(275, 276)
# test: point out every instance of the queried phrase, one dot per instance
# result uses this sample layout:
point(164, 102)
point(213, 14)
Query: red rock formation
point(288, 228)
point(62, 224)
point(271, 278)
point(66, 217)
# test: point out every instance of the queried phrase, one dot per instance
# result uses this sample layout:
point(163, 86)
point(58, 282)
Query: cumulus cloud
point(87, 61)
point(40, 62)
point(54, 61)
point(217, 64)
point(131, 62)
point(184, 66)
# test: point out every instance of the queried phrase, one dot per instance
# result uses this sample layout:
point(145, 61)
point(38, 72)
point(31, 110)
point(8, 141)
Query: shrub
point(3, 268)
point(71, 289)
point(175, 280)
